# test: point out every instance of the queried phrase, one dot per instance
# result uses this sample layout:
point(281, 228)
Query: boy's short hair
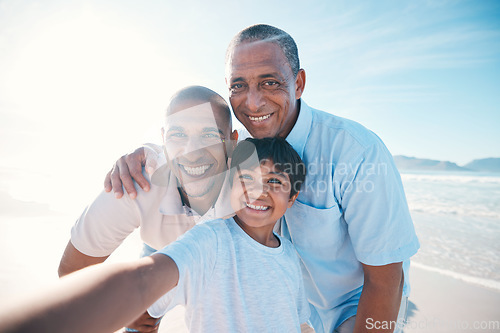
point(278, 150)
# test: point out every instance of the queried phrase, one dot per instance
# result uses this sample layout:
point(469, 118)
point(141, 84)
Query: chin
point(194, 190)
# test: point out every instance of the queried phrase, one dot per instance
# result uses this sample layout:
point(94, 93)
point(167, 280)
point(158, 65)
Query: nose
point(193, 148)
point(257, 191)
point(254, 99)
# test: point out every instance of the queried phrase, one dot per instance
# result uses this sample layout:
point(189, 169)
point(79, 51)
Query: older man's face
point(262, 89)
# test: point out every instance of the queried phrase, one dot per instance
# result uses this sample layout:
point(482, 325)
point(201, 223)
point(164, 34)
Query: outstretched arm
point(101, 298)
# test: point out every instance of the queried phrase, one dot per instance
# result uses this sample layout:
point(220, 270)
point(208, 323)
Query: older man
point(351, 224)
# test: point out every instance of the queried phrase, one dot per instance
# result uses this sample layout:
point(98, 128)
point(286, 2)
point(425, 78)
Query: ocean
point(457, 219)
point(456, 216)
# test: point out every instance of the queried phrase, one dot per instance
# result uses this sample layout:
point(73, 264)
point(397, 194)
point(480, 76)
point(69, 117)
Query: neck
point(202, 204)
point(263, 235)
point(289, 127)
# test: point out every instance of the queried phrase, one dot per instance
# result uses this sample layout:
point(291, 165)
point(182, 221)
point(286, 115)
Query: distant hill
point(485, 164)
point(13, 207)
point(412, 163)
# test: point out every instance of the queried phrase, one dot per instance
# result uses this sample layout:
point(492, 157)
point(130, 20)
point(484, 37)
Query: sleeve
point(104, 224)
point(195, 255)
point(376, 211)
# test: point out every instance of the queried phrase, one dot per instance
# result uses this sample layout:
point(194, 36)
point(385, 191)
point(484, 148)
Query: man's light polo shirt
point(351, 210)
point(159, 213)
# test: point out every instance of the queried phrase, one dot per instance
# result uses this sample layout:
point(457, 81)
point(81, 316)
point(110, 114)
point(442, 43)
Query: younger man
point(233, 275)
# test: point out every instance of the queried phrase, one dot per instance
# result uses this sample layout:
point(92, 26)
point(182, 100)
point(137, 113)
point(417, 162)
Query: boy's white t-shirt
point(231, 283)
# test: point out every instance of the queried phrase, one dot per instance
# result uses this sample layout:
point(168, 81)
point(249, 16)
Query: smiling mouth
point(256, 207)
point(195, 171)
point(259, 119)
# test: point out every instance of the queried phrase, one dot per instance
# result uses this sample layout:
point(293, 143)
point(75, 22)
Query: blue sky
point(82, 82)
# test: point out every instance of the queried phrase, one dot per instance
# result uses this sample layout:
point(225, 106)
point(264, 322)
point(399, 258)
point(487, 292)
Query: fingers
point(134, 163)
point(125, 179)
point(116, 182)
point(107, 182)
point(153, 157)
point(151, 161)
point(129, 168)
point(145, 323)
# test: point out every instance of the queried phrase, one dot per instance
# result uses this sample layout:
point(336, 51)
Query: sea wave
point(452, 178)
point(457, 210)
point(466, 278)
point(469, 195)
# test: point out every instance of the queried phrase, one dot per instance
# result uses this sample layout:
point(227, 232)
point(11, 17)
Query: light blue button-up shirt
point(351, 210)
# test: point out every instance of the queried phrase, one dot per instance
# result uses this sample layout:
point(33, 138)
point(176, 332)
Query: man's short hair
point(276, 150)
point(199, 95)
point(264, 32)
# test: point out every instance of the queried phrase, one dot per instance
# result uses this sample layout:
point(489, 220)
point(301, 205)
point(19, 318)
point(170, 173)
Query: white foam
point(454, 178)
point(492, 284)
point(467, 195)
point(437, 209)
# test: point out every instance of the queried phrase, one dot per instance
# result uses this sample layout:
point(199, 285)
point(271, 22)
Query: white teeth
point(259, 118)
point(258, 207)
point(197, 170)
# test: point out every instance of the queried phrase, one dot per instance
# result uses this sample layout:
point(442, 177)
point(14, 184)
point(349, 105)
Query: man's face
point(195, 149)
point(260, 196)
point(262, 89)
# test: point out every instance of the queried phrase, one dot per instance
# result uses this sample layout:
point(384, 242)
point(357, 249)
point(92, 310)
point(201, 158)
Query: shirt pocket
point(319, 231)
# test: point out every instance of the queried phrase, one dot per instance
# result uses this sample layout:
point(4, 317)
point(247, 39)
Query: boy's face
point(260, 196)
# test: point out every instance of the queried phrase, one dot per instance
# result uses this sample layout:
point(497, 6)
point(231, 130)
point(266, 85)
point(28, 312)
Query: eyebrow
point(274, 75)
point(175, 128)
point(212, 129)
point(204, 130)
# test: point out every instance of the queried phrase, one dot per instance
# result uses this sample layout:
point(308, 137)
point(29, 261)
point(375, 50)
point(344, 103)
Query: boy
point(233, 275)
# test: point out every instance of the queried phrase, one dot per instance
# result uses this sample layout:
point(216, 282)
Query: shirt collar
point(298, 135)
point(222, 208)
point(171, 203)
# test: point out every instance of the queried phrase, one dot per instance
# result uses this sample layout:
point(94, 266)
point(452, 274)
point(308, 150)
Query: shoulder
point(343, 140)
point(339, 127)
point(289, 249)
point(207, 232)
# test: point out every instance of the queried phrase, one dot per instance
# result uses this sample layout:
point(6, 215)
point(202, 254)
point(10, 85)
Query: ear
point(300, 83)
point(231, 143)
point(234, 138)
point(292, 199)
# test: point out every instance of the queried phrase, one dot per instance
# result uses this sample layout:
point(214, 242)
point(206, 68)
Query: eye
point(236, 87)
point(211, 136)
point(245, 176)
point(274, 181)
point(271, 84)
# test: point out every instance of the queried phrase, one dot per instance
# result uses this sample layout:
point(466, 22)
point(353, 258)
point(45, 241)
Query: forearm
point(102, 298)
point(379, 303)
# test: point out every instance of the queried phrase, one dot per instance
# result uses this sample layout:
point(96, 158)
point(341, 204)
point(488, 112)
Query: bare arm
point(102, 298)
point(73, 260)
point(380, 298)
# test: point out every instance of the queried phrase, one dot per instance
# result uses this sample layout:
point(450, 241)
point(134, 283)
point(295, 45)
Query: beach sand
point(440, 303)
